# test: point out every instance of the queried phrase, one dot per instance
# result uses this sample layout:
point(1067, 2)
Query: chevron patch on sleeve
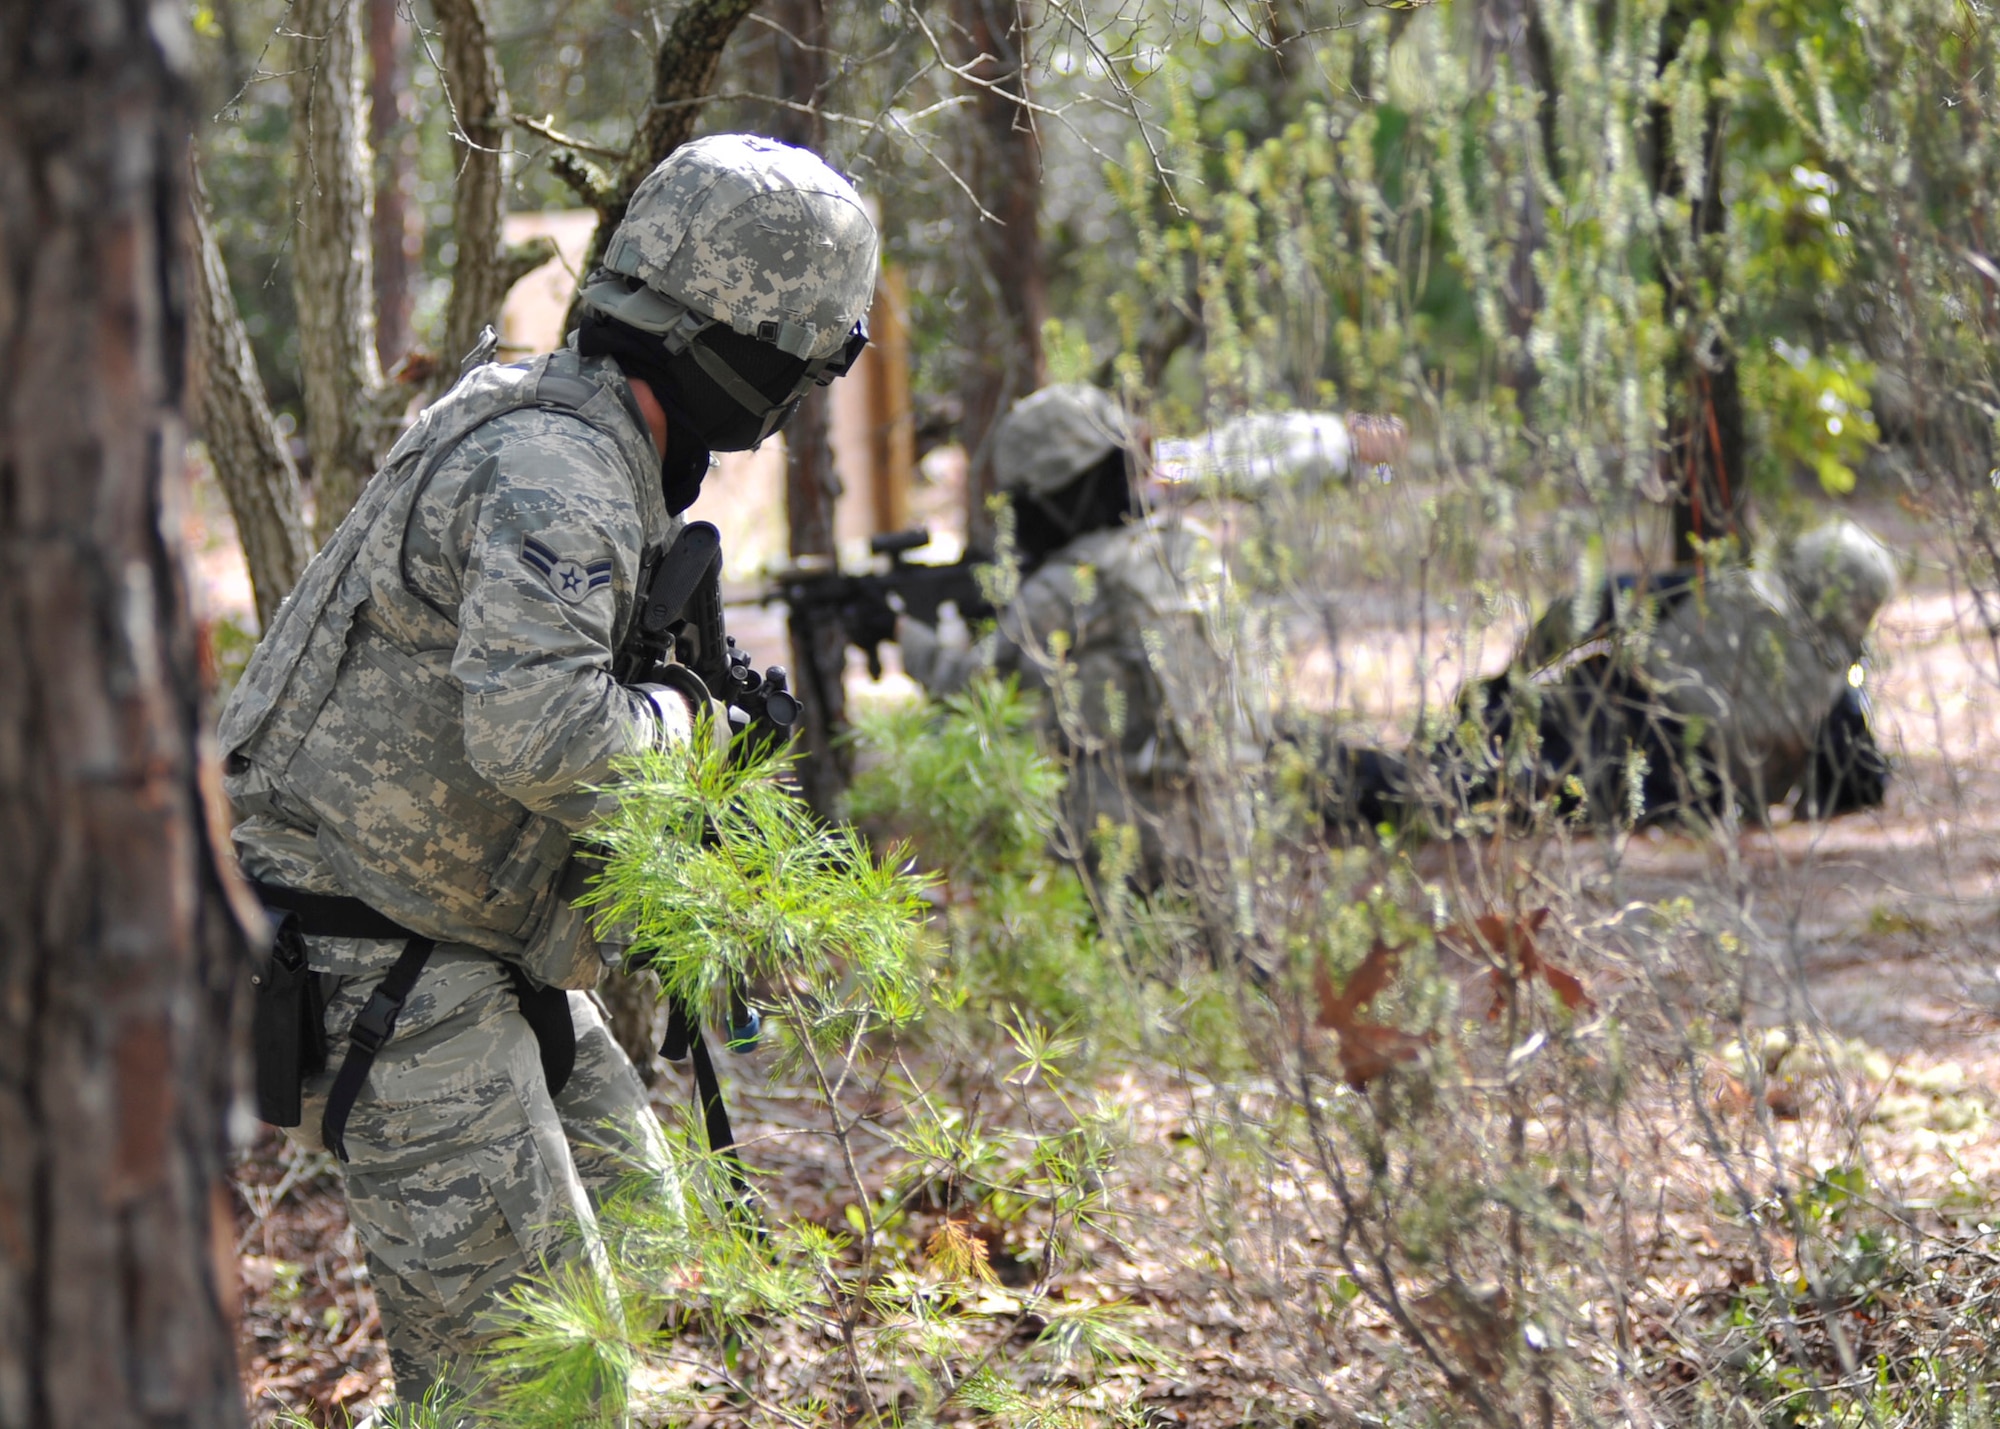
point(572, 581)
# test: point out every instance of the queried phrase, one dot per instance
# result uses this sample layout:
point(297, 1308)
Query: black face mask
point(1096, 500)
point(701, 417)
point(640, 356)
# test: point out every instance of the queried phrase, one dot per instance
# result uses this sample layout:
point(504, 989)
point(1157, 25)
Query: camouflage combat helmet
point(1841, 577)
point(1053, 436)
point(752, 235)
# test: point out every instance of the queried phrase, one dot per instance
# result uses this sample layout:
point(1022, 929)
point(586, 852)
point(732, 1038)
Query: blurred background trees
point(1646, 244)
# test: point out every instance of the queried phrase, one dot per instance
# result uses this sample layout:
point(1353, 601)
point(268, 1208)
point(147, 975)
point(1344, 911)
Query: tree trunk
point(1005, 163)
point(251, 459)
point(332, 267)
point(119, 952)
point(1706, 444)
point(390, 136)
point(1511, 30)
point(812, 485)
point(683, 73)
point(483, 273)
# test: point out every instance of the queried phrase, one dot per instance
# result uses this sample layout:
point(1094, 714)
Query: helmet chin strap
point(747, 397)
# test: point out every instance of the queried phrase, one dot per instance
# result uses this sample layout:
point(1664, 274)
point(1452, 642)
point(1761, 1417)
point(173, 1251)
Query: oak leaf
point(1366, 1049)
point(1506, 943)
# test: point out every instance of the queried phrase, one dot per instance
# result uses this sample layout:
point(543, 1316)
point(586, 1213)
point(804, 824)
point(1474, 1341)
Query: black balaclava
point(701, 417)
point(1097, 498)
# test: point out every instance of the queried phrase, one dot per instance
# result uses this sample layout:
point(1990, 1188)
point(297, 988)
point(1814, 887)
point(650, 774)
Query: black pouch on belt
point(287, 1028)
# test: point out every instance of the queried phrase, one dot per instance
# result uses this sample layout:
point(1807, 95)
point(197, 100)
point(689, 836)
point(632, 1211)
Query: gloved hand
point(678, 706)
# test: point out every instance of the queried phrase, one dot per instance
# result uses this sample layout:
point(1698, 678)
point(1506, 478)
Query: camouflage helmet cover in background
point(1841, 577)
point(756, 234)
point(1051, 437)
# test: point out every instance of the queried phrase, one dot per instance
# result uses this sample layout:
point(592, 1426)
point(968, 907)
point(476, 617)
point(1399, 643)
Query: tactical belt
point(322, 915)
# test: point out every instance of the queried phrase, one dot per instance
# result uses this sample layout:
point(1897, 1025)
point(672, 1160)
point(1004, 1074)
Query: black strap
point(327, 915)
point(373, 1026)
point(547, 1012)
point(332, 915)
point(684, 1039)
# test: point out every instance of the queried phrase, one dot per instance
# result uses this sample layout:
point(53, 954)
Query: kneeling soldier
point(412, 747)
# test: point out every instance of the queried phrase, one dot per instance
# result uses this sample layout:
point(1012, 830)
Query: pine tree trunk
point(481, 275)
point(1005, 170)
point(332, 266)
point(119, 953)
point(684, 71)
point(1706, 439)
point(812, 485)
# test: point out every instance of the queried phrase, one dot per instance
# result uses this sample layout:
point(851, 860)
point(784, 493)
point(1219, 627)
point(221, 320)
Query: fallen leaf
point(1366, 1050)
point(1506, 944)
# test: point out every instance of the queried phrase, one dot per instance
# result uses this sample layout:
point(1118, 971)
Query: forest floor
point(1880, 935)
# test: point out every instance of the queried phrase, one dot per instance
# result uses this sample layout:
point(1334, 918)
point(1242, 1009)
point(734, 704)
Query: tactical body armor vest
point(1144, 625)
point(398, 813)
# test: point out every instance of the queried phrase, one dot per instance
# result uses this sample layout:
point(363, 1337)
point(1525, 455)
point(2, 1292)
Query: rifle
point(679, 633)
point(867, 604)
point(678, 639)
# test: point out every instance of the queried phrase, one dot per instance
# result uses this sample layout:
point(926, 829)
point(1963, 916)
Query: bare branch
point(545, 128)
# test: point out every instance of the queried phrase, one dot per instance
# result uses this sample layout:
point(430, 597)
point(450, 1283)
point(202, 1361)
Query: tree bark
point(484, 270)
point(1005, 163)
point(1706, 440)
point(812, 484)
point(332, 266)
point(683, 74)
point(119, 950)
point(389, 137)
point(1512, 30)
point(251, 460)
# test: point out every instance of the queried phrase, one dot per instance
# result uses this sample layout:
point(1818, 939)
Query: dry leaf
point(1366, 1050)
point(1475, 1322)
point(1510, 939)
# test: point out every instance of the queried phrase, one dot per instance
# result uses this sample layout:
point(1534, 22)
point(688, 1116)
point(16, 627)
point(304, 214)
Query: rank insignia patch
point(570, 580)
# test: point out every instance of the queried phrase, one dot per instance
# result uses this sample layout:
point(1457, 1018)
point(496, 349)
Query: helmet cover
point(1051, 437)
point(1841, 577)
point(749, 232)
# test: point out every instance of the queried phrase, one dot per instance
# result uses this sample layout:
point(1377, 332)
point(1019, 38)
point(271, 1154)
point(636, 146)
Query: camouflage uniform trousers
point(467, 1179)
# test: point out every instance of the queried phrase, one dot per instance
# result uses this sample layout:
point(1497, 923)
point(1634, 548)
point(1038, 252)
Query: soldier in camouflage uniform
point(418, 733)
point(1681, 696)
point(1119, 621)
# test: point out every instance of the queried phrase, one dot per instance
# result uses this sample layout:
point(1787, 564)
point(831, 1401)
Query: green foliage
point(719, 874)
point(438, 1409)
point(967, 784)
point(717, 871)
point(1815, 413)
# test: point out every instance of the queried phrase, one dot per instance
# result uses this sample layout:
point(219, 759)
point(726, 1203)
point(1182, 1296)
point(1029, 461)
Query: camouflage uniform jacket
point(1124, 631)
point(418, 727)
